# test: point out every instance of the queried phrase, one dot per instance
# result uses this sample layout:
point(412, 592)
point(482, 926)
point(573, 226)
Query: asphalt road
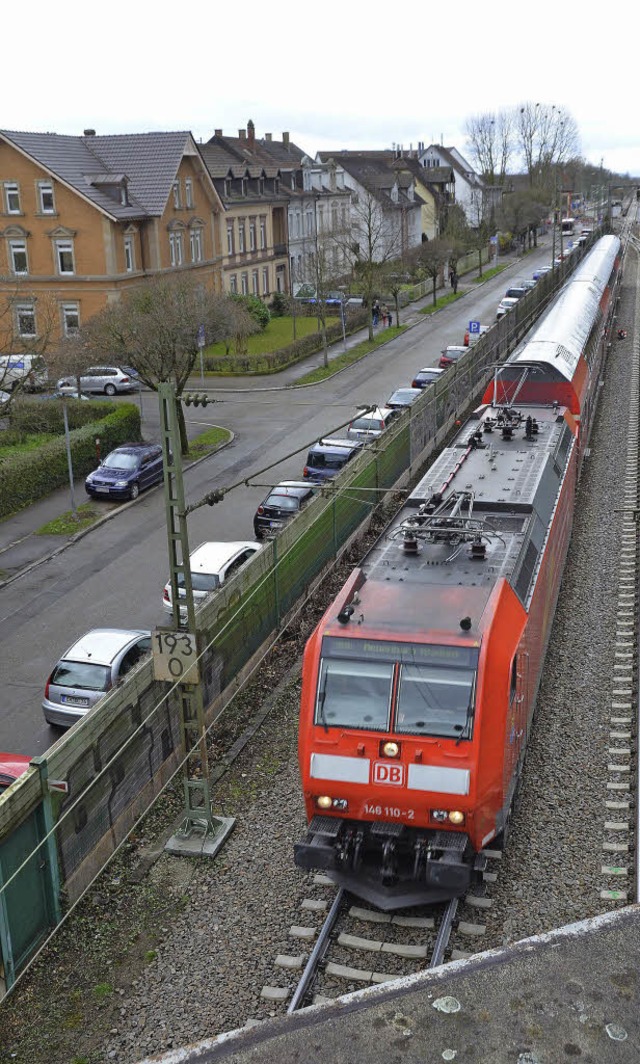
point(115, 575)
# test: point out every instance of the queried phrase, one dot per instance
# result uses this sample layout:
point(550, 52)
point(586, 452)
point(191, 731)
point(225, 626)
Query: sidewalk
point(22, 549)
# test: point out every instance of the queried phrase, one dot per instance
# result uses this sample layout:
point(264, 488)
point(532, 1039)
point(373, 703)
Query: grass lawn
point(349, 357)
point(69, 523)
point(492, 272)
point(441, 301)
point(207, 441)
point(278, 333)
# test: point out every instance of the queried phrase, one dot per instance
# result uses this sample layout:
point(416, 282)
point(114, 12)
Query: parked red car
point(12, 766)
point(451, 355)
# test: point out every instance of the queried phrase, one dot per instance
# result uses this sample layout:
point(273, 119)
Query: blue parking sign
point(474, 326)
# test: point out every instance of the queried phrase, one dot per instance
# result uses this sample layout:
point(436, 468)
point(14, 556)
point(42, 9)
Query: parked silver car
point(108, 379)
point(90, 668)
point(369, 424)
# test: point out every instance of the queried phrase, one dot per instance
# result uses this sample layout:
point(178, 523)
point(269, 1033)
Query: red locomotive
point(419, 682)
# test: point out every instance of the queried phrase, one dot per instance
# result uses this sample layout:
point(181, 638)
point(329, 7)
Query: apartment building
point(83, 218)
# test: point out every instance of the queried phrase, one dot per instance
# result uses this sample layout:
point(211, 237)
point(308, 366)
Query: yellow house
point(83, 218)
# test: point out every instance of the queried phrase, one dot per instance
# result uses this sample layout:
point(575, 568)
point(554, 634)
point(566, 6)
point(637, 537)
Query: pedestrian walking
point(454, 282)
point(385, 314)
point(389, 319)
point(375, 312)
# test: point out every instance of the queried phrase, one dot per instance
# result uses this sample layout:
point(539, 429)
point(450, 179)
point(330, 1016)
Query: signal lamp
point(440, 815)
point(390, 749)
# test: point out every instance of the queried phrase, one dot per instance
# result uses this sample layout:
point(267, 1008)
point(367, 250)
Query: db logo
point(386, 772)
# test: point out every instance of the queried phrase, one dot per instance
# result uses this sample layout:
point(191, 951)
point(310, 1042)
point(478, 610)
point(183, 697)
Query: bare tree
point(548, 136)
point(429, 261)
point(490, 139)
point(154, 329)
point(29, 322)
point(375, 238)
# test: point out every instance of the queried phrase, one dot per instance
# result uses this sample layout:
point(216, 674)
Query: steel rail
point(444, 933)
point(317, 953)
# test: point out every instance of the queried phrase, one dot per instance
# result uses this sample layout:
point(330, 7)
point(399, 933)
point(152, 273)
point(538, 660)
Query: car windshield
point(83, 674)
point(282, 502)
point(368, 423)
point(326, 461)
point(201, 581)
point(121, 460)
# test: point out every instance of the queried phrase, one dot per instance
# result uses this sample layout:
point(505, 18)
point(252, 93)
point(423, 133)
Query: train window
point(514, 679)
point(435, 701)
point(354, 694)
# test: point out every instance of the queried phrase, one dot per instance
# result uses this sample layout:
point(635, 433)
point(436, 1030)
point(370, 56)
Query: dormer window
point(124, 196)
point(394, 194)
point(227, 186)
point(293, 179)
point(261, 185)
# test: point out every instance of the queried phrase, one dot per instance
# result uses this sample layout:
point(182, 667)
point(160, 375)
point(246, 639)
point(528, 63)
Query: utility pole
point(176, 649)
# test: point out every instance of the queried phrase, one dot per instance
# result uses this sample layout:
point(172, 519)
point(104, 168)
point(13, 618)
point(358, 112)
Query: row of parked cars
point(101, 658)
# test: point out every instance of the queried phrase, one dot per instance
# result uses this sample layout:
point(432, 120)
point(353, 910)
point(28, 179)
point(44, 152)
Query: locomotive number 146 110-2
point(388, 810)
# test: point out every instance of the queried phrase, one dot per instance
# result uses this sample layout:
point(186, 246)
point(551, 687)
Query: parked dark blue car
point(126, 471)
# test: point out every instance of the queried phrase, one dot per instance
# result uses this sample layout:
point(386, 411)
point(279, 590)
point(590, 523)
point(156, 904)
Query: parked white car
point(211, 565)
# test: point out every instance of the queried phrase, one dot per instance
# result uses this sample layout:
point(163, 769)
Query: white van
point(30, 371)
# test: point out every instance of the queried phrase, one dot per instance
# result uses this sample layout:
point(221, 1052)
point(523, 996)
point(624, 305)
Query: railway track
point(357, 946)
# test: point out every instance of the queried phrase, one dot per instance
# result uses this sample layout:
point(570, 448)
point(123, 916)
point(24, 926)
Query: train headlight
point(324, 801)
point(390, 749)
point(456, 817)
point(439, 814)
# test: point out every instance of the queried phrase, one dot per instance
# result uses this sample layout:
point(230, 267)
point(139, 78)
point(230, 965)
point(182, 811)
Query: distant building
point(84, 218)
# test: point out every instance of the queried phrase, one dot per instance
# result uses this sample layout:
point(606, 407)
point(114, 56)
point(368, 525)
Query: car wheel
point(109, 389)
point(134, 492)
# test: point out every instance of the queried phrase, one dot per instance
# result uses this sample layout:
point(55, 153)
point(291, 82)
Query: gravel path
point(185, 954)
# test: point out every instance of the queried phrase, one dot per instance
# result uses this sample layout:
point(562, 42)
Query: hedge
point(273, 361)
point(25, 478)
point(33, 415)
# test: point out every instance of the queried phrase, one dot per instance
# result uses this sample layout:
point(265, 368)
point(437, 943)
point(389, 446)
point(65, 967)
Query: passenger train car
point(419, 683)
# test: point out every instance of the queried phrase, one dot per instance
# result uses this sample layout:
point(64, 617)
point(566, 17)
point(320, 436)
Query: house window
point(176, 195)
point(26, 319)
point(64, 256)
point(175, 248)
point(230, 238)
point(320, 219)
point(18, 256)
point(263, 233)
point(12, 197)
point(233, 283)
point(241, 235)
point(265, 281)
point(244, 284)
point(45, 193)
point(195, 238)
point(188, 192)
point(129, 260)
point(252, 235)
point(254, 282)
point(70, 318)
point(309, 229)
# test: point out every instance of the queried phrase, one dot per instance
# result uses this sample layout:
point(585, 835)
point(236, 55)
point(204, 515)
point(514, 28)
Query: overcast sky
point(360, 75)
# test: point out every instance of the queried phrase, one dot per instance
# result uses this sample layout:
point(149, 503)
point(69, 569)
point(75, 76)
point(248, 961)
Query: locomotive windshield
point(414, 689)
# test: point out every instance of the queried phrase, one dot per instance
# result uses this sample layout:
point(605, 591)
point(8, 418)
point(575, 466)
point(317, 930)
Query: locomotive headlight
point(324, 802)
point(456, 817)
point(391, 749)
point(439, 814)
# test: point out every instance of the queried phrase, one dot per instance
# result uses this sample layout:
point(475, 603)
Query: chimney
point(285, 140)
point(217, 132)
point(268, 136)
point(242, 133)
point(251, 134)
point(89, 132)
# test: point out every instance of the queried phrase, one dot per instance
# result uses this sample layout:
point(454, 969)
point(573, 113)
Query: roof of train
point(515, 485)
point(561, 335)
